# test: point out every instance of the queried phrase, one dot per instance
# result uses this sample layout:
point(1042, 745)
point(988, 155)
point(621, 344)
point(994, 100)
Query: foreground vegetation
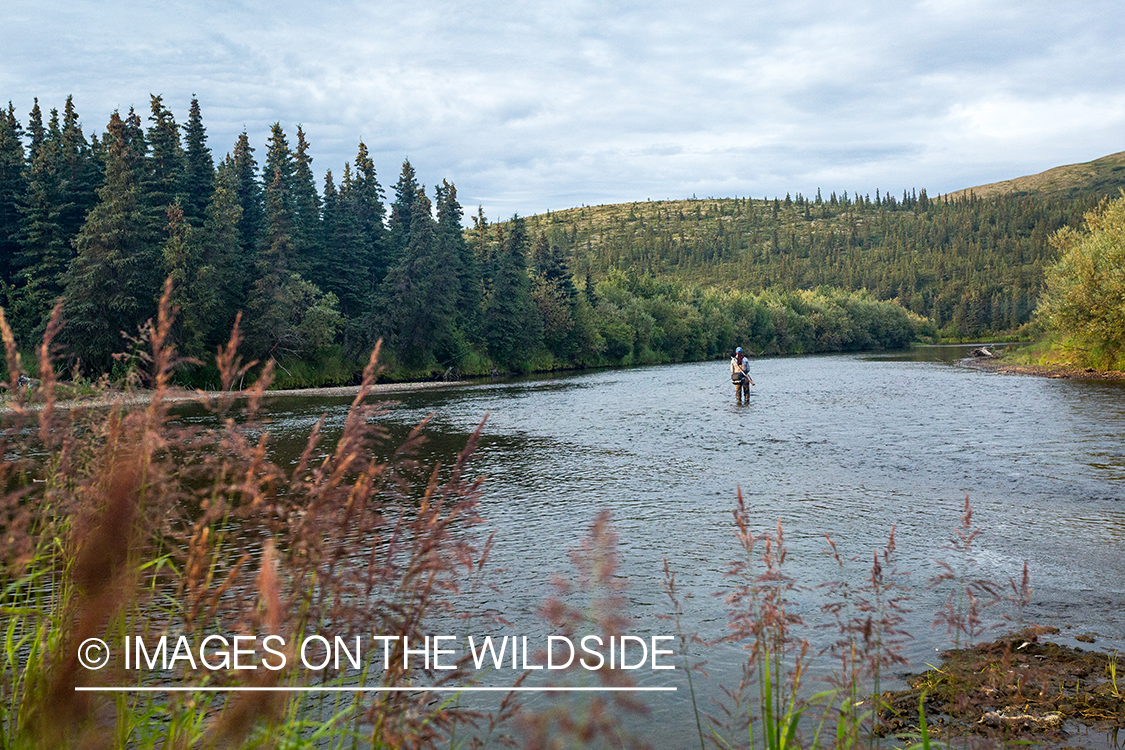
point(131, 523)
point(127, 523)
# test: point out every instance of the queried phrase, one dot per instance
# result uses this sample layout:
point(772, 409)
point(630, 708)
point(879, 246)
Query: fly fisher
point(740, 374)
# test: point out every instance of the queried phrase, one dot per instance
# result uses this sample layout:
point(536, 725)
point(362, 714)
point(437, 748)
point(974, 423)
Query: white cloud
point(533, 106)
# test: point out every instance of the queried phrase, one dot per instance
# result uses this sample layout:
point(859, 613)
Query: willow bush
point(1085, 297)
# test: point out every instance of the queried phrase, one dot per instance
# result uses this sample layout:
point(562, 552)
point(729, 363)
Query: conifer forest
point(317, 273)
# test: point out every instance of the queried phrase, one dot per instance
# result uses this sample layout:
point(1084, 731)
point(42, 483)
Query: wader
point(741, 384)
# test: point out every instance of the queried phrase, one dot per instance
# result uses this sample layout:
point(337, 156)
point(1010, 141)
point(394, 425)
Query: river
point(844, 445)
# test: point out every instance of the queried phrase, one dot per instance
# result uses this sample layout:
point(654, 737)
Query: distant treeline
point(544, 319)
point(321, 274)
point(972, 266)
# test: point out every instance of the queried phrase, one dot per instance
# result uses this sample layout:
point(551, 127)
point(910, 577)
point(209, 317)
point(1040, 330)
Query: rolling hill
point(1104, 176)
point(972, 261)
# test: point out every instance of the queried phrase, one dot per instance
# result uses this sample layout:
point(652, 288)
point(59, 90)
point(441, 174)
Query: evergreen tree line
point(972, 266)
point(542, 317)
point(320, 274)
point(101, 222)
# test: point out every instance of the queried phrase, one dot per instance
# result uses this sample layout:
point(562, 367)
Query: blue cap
point(738, 350)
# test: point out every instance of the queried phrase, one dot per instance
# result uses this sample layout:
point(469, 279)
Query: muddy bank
point(998, 365)
point(1019, 687)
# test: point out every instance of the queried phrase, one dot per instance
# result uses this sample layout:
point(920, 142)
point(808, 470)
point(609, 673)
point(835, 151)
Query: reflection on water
point(844, 445)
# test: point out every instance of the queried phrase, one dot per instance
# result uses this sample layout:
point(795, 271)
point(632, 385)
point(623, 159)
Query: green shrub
point(1085, 296)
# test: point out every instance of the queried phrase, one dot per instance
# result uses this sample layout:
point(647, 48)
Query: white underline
point(365, 689)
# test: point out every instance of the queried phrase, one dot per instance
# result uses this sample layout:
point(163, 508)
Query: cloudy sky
point(534, 106)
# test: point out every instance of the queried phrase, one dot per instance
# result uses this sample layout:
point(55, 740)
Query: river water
point(844, 445)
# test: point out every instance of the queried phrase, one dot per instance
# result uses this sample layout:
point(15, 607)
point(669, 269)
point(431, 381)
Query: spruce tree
point(80, 173)
point(483, 242)
point(346, 270)
point(276, 250)
point(555, 297)
point(421, 296)
point(365, 201)
point(512, 327)
point(13, 186)
point(402, 210)
point(193, 288)
point(45, 252)
point(199, 168)
point(551, 265)
point(267, 318)
point(357, 264)
point(276, 246)
point(307, 237)
point(288, 315)
point(280, 168)
point(165, 176)
point(456, 256)
point(222, 252)
point(113, 282)
point(244, 175)
point(329, 235)
point(35, 131)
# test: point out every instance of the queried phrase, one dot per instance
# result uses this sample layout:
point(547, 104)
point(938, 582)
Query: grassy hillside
point(1104, 176)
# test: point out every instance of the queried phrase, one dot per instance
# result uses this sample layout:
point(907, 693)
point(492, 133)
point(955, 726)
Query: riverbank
point(1018, 688)
point(1004, 367)
point(176, 395)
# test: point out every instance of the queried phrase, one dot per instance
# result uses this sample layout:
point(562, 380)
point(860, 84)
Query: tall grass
point(126, 522)
point(761, 619)
point(589, 601)
point(870, 635)
point(970, 595)
point(774, 706)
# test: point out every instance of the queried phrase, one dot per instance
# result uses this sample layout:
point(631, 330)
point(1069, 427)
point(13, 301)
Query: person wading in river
point(740, 374)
